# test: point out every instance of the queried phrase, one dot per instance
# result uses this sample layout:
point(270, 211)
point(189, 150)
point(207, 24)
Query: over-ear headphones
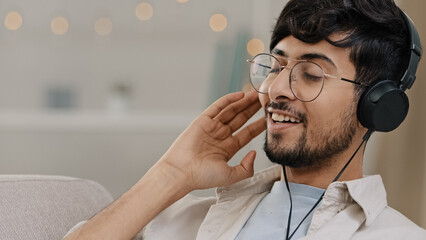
point(384, 105)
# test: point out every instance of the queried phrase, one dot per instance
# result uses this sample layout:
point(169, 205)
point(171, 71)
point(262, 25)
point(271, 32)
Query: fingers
point(241, 118)
point(244, 170)
point(249, 132)
point(215, 108)
point(232, 110)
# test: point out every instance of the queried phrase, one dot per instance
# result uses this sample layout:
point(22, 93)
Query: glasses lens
point(306, 81)
point(263, 70)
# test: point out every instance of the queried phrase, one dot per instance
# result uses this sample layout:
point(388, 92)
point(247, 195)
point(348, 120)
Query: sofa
point(41, 207)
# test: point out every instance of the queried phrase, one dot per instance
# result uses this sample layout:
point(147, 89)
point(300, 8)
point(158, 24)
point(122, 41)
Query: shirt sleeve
point(139, 236)
point(77, 226)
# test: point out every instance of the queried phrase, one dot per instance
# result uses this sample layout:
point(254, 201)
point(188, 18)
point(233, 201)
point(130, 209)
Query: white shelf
point(95, 121)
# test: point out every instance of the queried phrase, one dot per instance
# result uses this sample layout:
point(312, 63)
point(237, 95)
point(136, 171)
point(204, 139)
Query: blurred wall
point(400, 155)
point(106, 107)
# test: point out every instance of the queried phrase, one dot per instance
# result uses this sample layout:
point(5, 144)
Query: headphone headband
point(409, 76)
point(384, 105)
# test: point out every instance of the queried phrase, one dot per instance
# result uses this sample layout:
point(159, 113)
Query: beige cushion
point(46, 207)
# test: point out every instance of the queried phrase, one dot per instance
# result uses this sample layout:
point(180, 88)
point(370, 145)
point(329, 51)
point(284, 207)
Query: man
point(324, 55)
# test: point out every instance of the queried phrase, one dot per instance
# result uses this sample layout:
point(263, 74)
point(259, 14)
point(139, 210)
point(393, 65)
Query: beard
point(326, 143)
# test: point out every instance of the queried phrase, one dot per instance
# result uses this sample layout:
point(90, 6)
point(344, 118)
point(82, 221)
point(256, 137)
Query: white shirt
point(349, 210)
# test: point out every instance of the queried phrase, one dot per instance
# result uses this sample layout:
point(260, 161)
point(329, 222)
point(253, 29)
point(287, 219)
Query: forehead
point(339, 57)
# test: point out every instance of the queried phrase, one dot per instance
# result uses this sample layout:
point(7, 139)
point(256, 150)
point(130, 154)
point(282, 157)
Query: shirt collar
point(368, 192)
point(262, 181)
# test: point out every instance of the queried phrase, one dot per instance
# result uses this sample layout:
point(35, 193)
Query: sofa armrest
point(47, 207)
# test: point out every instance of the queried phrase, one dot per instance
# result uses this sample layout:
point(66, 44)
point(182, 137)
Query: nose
point(279, 90)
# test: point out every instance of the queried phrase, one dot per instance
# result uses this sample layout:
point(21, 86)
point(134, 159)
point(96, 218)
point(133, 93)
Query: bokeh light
point(218, 22)
point(103, 26)
point(59, 25)
point(13, 21)
point(255, 46)
point(144, 11)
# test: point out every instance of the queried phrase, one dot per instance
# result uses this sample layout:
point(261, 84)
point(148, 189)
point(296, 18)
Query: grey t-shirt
point(269, 220)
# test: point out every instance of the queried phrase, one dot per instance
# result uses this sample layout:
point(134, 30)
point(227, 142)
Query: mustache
point(284, 106)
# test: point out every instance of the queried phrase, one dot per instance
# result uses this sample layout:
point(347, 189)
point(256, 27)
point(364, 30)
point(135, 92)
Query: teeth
point(277, 117)
point(281, 118)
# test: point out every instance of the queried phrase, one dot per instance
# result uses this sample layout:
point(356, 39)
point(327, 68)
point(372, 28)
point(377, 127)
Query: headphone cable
point(364, 139)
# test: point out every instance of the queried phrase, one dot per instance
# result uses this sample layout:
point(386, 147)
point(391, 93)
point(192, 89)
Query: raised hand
point(198, 158)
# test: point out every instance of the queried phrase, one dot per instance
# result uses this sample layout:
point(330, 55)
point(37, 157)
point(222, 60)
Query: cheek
point(320, 117)
point(325, 114)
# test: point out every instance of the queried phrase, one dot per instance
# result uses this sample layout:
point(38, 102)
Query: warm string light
point(13, 21)
point(103, 26)
point(218, 22)
point(144, 11)
point(255, 46)
point(59, 25)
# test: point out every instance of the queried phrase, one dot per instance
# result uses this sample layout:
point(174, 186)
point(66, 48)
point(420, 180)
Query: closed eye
point(310, 77)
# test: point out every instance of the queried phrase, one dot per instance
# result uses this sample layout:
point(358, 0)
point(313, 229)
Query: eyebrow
point(307, 56)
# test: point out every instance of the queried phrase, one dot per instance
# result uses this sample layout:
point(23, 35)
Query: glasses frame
point(325, 75)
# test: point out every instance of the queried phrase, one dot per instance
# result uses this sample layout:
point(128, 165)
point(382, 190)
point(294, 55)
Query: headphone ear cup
point(383, 106)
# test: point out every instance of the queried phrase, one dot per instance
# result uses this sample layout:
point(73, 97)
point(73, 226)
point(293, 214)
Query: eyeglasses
point(306, 78)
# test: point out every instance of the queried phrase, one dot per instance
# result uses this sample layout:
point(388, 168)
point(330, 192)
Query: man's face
point(327, 124)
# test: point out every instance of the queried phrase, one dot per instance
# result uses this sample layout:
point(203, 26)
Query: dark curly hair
point(375, 32)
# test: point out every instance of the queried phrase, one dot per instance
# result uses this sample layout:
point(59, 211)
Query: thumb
point(244, 170)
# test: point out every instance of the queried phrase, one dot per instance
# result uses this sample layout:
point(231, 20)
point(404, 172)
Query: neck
point(323, 176)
